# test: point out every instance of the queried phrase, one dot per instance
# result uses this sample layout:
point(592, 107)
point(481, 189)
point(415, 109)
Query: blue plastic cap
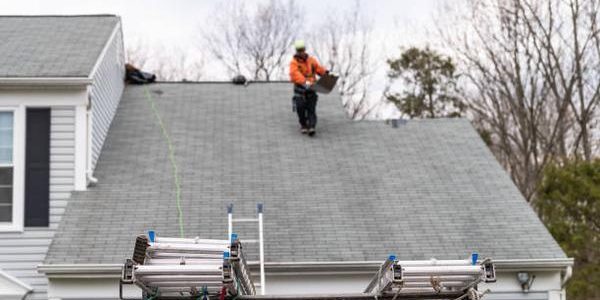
point(230, 208)
point(259, 208)
point(151, 235)
point(392, 257)
point(474, 257)
point(225, 254)
point(234, 237)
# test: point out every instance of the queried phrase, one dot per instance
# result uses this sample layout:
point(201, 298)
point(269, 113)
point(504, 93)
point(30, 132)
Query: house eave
point(80, 270)
point(534, 264)
point(45, 81)
point(299, 268)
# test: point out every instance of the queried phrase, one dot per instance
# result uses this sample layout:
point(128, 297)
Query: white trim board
point(81, 148)
point(44, 97)
point(100, 57)
point(12, 288)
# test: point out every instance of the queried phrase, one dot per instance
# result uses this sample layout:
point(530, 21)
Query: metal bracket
point(490, 271)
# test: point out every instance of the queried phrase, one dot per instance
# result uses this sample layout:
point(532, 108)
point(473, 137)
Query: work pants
point(306, 107)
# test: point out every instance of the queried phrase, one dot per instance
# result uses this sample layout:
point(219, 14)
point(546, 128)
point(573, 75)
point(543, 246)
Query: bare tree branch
point(532, 76)
point(168, 64)
point(255, 42)
point(343, 43)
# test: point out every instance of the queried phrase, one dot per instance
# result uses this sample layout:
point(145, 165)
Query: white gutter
point(81, 270)
point(305, 268)
point(533, 264)
point(45, 81)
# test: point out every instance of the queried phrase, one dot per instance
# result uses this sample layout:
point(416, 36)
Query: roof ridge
point(59, 16)
point(219, 81)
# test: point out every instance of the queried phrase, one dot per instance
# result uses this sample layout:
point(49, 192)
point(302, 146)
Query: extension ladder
point(201, 269)
point(179, 268)
point(454, 279)
point(260, 241)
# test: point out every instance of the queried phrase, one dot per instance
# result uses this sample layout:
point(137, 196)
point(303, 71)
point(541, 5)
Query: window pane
point(6, 155)
point(6, 119)
point(5, 196)
point(6, 191)
point(6, 213)
point(6, 137)
point(6, 176)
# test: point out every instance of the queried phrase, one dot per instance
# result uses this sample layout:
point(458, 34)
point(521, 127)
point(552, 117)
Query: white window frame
point(18, 205)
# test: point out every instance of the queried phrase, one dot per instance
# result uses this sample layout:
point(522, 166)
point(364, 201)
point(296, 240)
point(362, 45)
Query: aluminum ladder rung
point(244, 220)
point(260, 241)
point(249, 241)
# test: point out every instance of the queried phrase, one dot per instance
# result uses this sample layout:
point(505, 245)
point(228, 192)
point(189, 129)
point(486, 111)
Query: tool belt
point(301, 93)
point(300, 90)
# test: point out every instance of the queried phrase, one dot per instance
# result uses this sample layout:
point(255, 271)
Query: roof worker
point(303, 71)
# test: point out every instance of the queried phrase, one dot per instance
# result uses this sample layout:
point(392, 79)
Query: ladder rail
point(261, 249)
point(229, 222)
point(261, 246)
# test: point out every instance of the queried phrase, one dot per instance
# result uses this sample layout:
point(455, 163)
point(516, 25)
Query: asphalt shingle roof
point(52, 46)
point(356, 192)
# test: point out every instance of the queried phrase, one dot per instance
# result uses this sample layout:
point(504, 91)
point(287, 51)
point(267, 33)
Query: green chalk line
point(176, 179)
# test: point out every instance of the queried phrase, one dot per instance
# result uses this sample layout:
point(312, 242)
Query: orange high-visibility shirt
point(302, 71)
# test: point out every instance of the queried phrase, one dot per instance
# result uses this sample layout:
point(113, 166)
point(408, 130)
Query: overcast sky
point(177, 21)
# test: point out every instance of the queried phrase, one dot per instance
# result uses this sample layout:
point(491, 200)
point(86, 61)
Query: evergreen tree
point(429, 89)
point(568, 202)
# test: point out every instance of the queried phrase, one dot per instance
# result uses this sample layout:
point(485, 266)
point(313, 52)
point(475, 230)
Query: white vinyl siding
point(62, 160)
point(106, 91)
point(21, 252)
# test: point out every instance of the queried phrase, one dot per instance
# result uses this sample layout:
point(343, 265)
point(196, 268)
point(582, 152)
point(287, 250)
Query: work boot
point(311, 131)
point(304, 130)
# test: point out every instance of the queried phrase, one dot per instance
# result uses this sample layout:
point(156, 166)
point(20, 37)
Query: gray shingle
point(358, 191)
point(52, 46)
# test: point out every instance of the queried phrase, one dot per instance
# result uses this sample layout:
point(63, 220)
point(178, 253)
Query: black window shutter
point(37, 167)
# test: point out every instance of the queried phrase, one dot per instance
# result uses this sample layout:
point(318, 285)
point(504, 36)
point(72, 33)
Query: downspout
point(566, 275)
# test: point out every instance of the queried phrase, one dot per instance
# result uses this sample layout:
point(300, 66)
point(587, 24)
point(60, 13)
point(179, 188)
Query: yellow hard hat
point(299, 45)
